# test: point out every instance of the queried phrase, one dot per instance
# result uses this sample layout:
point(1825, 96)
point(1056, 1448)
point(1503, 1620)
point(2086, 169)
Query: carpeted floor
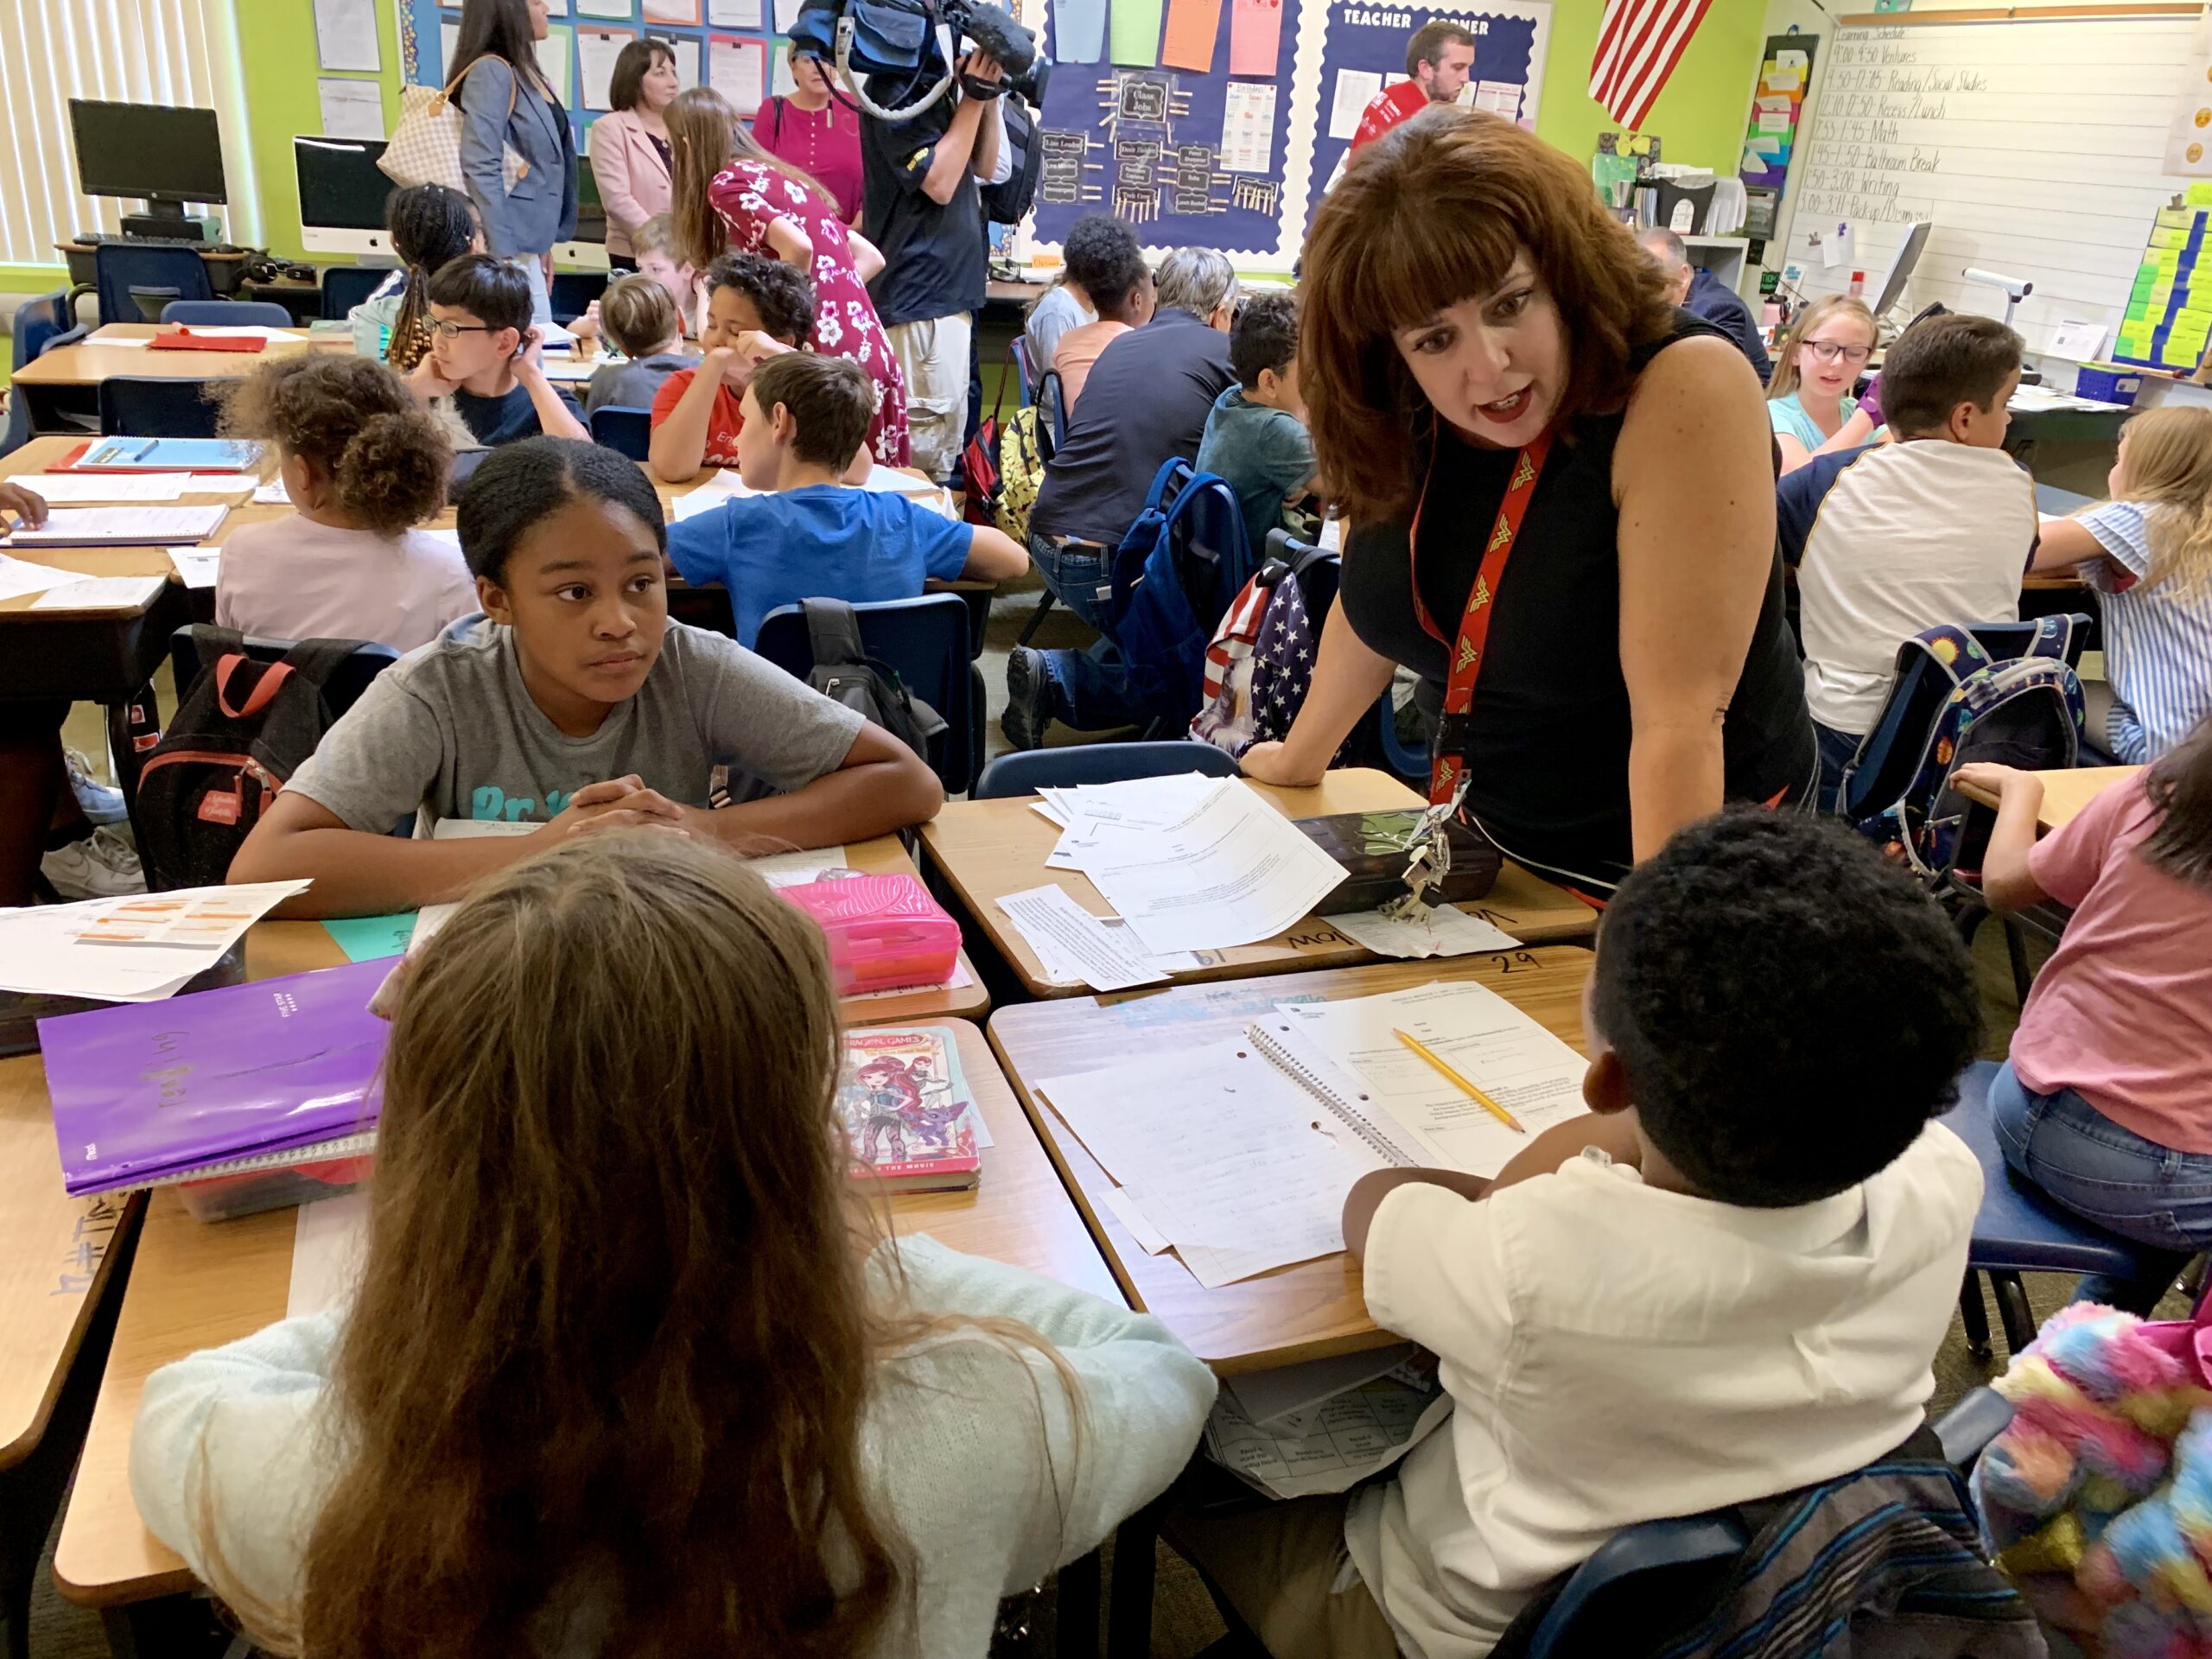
point(1183, 1622)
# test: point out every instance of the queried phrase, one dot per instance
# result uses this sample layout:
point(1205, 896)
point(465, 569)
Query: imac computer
point(342, 194)
point(164, 157)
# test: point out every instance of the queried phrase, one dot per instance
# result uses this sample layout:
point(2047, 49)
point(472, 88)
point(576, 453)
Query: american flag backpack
point(1260, 662)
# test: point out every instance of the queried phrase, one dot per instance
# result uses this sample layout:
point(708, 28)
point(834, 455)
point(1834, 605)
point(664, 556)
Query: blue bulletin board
point(732, 44)
point(1184, 155)
point(1364, 50)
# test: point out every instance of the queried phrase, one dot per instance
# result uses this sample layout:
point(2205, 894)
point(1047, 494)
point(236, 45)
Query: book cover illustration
point(908, 1117)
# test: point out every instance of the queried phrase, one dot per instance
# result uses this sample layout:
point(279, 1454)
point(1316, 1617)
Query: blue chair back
point(1051, 398)
point(157, 409)
point(1026, 772)
point(226, 314)
point(137, 282)
point(926, 640)
point(625, 429)
point(341, 691)
point(1024, 368)
point(345, 287)
point(572, 292)
point(50, 320)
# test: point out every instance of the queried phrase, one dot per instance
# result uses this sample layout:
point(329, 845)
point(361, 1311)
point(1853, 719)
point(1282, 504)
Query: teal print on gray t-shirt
point(493, 805)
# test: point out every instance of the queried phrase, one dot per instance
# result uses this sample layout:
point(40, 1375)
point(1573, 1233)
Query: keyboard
point(93, 238)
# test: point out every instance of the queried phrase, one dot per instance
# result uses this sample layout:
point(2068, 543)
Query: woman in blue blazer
point(506, 102)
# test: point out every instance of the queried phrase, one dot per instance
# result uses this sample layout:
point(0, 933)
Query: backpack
point(1026, 447)
point(1172, 578)
point(1260, 662)
point(241, 729)
point(2022, 710)
point(1009, 203)
point(844, 672)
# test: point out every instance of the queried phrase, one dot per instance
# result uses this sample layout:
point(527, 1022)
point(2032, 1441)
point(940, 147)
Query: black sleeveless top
point(1548, 736)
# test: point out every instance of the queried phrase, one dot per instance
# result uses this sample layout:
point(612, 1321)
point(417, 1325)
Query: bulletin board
point(1363, 51)
point(732, 44)
point(1147, 118)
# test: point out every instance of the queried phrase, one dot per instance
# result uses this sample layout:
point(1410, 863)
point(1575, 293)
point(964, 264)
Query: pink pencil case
point(884, 931)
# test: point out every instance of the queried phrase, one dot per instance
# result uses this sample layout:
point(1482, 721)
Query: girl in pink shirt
point(2106, 1103)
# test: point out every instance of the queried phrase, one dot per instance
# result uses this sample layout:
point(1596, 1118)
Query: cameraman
point(923, 211)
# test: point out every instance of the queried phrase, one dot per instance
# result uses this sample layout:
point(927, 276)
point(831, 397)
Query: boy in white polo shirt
point(1936, 526)
point(1728, 1283)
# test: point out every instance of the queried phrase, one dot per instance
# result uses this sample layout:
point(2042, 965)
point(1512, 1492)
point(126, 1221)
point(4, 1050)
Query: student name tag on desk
point(196, 567)
point(103, 593)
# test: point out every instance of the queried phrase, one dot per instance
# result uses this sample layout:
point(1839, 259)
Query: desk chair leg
point(2013, 1308)
point(2015, 951)
point(1076, 1609)
point(1128, 1598)
point(1036, 617)
point(1973, 1313)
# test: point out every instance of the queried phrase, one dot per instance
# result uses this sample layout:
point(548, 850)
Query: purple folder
point(151, 1092)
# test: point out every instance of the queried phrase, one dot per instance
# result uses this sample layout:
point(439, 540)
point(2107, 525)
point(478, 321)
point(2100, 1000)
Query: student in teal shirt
point(1809, 400)
point(1257, 438)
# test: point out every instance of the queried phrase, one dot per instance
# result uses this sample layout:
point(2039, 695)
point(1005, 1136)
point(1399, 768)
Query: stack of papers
point(120, 527)
point(1320, 1427)
point(103, 593)
point(21, 576)
point(139, 949)
point(57, 488)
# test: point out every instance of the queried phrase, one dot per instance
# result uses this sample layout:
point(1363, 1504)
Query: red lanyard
point(1474, 621)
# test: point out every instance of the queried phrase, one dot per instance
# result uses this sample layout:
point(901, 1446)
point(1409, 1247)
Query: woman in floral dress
point(730, 195)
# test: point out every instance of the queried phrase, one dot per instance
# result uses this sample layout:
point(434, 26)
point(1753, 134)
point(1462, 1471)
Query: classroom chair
point(1024, 368)
point(2021, 1230)
point(149, 408)
point(1051, 431)
point(226, 314)
point(42, 323)
point(623, 427)
point(136, 280)
point(345, 287)
point(925, 642)
point(194, 647)
point(1030, 770)
point(572, 291)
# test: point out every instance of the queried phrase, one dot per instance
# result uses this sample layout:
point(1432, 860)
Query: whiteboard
point(2035, 146)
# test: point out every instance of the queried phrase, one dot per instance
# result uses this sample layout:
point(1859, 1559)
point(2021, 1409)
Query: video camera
point(915, 38)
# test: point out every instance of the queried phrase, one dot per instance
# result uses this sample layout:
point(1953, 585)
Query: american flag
point(1639, 42)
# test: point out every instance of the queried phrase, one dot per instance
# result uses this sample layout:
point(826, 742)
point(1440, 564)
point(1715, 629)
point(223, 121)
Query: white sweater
point(964, 1462)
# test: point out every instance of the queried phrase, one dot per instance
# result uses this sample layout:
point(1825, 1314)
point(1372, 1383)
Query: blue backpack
point(2001, 692)
point(1181, 564)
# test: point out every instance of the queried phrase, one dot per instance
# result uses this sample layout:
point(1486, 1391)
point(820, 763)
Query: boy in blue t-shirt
point(810, 535)
point(1257, 438)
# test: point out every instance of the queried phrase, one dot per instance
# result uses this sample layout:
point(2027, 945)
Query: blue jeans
point(1837, 752)
point(2088, 1164)
point(1090, 687)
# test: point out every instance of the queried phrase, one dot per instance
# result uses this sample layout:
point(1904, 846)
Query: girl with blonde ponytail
point(2148, 553)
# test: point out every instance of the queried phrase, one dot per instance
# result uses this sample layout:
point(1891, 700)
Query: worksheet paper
point(1493, 1045)
point(102, 594)
point(1351, 1437)
point(1356, 90)
point(329, 1242)
point(735, 69)
point(346, 35)
point(21, 576)
point(2077, 342)
point(687, 63)
point(734, 14)
point(1234, 872)
point(197, 567)
point(596, 51)
point(1075, 947)
point(138, 949)
point(1247, 126)
point(1438, 930)
point(553, 58)
point(1229, 1159)
point(272, 495)
point(796, 870)
point(121, 526)
point(351, 109)
point(56, 489)
point(786, 14)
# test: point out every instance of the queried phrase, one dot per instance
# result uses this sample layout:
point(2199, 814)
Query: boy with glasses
point(1887, 539)
point(486, 356)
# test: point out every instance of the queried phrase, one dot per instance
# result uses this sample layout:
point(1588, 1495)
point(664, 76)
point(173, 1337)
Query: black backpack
point(1009, 203)
point(241, 729)
point(844, 672)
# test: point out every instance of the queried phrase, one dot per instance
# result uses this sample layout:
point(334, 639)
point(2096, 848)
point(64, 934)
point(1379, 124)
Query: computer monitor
point(1902, 264)
point(342, 194)
point(162, 157)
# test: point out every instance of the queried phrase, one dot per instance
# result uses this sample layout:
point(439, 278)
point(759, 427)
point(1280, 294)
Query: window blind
point(179, 53)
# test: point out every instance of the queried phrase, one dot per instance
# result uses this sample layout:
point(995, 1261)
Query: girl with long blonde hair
point(2148, 554)
point(1809, 401)
point(623, 1375)
point(731, 196)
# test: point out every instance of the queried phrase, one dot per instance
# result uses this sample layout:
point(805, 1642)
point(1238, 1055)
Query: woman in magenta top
point(817, 132)
point(730, 196)
point(2104, 1103)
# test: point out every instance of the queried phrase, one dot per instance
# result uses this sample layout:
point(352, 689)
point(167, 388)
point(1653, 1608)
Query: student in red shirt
point(696, 414)
point(2103, 1103)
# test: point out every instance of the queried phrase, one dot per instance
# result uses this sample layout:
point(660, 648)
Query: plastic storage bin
point(884, 931)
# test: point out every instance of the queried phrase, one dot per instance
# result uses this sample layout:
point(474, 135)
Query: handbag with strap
point(425, 146)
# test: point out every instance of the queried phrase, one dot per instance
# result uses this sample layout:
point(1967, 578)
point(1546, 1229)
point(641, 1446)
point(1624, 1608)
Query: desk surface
point(2065, 792)
point(96, 358)
point(274, 948)
point(987, 849)
point(1305, 1311)
point(196, 1285)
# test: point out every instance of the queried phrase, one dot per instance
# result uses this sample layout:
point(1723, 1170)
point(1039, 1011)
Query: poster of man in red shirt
point(1440, 58)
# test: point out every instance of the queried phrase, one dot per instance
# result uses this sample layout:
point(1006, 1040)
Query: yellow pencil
point(1469, 1089)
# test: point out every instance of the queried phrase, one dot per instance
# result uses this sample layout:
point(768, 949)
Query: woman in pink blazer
point(629, 145)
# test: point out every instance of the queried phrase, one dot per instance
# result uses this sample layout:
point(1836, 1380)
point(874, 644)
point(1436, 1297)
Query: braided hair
point(430, 225)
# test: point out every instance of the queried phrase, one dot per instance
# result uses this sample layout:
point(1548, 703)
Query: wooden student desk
point(1304, 1311)
point(2065, 792)
point(196, 1285)
point(987, 849)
